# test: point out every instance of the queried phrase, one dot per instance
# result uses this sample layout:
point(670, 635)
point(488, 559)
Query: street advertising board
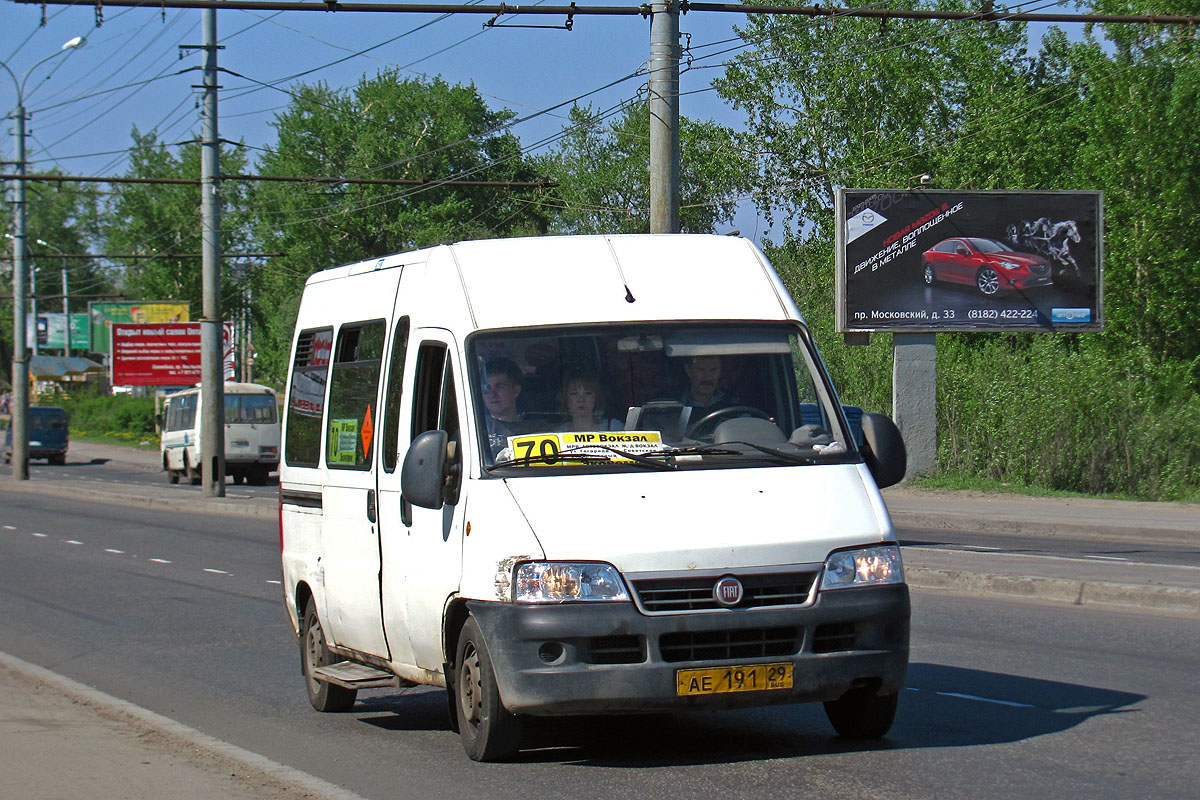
point(934, 260)
point(163, 354)
point(51, 331)
point(102, 315)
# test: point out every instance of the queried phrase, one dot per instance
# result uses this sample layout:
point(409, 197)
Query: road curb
point(199, 505)
point(1060, 590)
point(288, 775)
point(951, 521)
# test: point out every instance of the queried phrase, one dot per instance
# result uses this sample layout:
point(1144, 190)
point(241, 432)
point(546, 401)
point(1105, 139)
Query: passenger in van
point(501, 388)
point(584, 398)
point(704, 393)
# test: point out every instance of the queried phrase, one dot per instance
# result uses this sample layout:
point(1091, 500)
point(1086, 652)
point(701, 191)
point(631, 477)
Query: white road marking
point(111, 550)
point(1107, 558)
point(1068, 558)
point(40, 535)
point(274, 582)
point(10, 527)
point(72, 541)
point(978, 547)
point(216, 571)
point(160, 561)
point(961, 696)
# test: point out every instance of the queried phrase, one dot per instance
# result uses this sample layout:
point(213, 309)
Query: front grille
point(725, 645)
point(615, 650)
point(833, 637)
point(687, 593)
point(1039, 269)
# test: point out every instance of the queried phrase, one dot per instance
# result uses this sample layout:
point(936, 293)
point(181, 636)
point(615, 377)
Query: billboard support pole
point(914, 398)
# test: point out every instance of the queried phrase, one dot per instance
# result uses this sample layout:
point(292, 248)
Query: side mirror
point(883, 449)
point(423, 476)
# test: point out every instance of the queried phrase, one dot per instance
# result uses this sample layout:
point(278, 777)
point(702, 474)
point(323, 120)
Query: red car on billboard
point(987, 264)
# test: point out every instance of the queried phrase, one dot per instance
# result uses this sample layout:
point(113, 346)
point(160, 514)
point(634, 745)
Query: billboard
point(166, 354)
point(942, 260)
point(101, 317)
point(51, 331)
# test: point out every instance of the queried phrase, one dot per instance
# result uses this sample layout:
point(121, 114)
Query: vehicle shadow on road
point(942, 706)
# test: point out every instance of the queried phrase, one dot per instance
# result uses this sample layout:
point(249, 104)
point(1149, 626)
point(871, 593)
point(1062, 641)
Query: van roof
point(564, 279)
point(231, 387)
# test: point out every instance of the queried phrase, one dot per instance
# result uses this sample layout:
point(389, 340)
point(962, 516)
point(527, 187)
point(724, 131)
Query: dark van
point(48, 435)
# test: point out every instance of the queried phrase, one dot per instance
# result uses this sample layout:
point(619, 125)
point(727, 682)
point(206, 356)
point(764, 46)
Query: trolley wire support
point(569, 24)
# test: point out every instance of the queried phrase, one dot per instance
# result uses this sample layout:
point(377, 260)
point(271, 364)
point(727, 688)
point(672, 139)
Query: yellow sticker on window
point(556, 449)
point(343, 441)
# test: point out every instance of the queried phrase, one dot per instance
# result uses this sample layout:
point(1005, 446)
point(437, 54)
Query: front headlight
point(866, 566)
point(558, 582)
point(1008, 265)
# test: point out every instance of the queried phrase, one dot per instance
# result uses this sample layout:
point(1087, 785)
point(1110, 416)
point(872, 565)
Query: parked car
point(48, 435)
point(987, 264)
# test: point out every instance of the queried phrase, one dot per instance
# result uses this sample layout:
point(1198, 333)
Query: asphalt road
point(182, 614)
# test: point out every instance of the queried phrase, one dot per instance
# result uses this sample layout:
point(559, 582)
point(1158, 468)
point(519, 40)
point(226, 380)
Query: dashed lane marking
point(72, 541)
point(115, 551)
point(160, 561)
point(216, 571)
point(40, 535)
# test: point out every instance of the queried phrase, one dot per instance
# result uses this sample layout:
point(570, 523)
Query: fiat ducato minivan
point(581, 475)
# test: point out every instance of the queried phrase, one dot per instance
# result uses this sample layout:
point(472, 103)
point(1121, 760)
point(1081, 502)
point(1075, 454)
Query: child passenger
point(583, 397)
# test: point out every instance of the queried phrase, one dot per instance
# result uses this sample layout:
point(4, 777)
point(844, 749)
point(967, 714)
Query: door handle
point(371, 505)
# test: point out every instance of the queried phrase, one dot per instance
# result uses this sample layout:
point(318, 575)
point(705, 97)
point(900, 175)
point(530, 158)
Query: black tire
point(237, 476)
point(987, 281)
point(256, 476)
point(862, 714)
point(314, 652)
point(489, 732)
point(927, 273)
point(193, 473)
point(57, 460)
point(172, 476)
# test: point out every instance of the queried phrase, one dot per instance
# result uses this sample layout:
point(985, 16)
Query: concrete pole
point(66, 316)
point(664, 116)
point(20, 362)
point(914, 398)
point(212, 367)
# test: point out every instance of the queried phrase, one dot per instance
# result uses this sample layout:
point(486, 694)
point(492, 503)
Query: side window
point(170, 415)
point(353, 390)
point(427, 394)
point(395, 392)
point(306, 398)
point(187, 411)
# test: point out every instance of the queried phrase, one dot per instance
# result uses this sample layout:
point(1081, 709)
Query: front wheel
point(928, 274)
point(314, 652)
point(988, 281)
point(862, 714)
point(489, 732)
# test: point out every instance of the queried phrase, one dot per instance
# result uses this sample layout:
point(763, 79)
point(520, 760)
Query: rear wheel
point(489, 732)
point(57, 460)
point(257, 476)
point(314, 652)
point(193, 473)
point(862, 714)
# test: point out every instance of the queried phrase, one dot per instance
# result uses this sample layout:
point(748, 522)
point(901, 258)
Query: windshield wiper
point(569, 454)
point(724, 450)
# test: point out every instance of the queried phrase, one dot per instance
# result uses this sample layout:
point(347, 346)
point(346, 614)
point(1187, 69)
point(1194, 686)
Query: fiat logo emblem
point(728, 591)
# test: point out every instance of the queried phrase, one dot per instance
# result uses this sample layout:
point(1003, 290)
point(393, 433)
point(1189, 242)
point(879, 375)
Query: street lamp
point(66, 301)
point(20, 361)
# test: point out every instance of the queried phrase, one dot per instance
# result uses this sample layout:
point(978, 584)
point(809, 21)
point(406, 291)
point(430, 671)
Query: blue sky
point(82, 119)
point(524, 70)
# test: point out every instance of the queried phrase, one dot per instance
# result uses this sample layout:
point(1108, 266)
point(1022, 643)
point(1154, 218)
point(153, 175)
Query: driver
point(704, 393)
point(501, 387)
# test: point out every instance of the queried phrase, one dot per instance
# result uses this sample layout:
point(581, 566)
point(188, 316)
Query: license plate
point(723, 680)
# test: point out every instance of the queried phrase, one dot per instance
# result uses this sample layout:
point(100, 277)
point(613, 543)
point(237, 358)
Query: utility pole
point(66, 315)
point(663, 67)
point(212, 362)
point(20, 361)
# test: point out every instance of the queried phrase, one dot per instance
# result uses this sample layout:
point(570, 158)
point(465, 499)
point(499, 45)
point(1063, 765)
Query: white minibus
point(580, 475)
point(252, 433)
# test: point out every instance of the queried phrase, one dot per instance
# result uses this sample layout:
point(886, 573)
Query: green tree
point(385, 127)
point(164, 220)
point(602, 171)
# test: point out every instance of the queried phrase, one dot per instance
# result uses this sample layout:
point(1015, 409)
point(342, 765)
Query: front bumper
point(559, 659)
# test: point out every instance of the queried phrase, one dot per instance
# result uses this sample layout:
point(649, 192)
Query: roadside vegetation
point(857, 104)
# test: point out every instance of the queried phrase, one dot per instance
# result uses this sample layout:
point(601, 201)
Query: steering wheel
point(711, 418)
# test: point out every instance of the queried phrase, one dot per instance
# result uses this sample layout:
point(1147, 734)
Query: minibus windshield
point(652, 396)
